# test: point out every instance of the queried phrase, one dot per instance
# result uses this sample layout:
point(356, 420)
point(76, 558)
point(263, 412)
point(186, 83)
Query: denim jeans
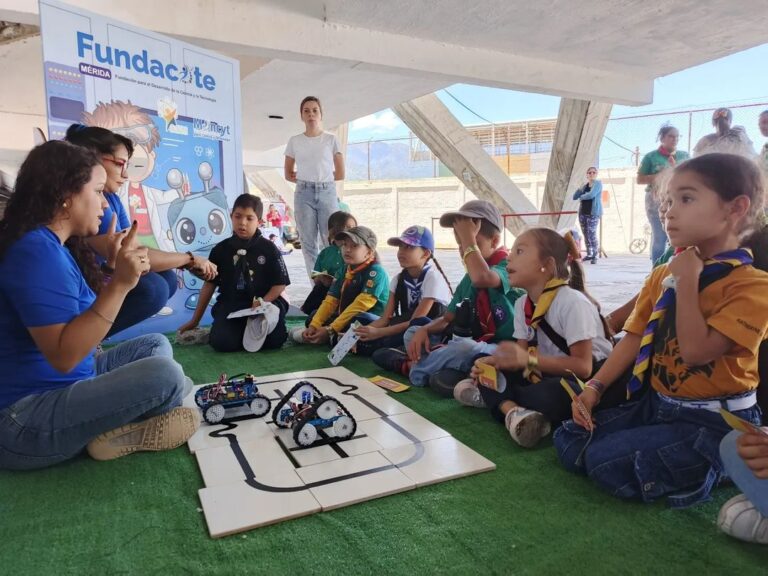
point(152, 292)
point(649, 449)
point(456, 354)
point(658, 234)
point(313, 203)
point(754, 488)
point(135, 380)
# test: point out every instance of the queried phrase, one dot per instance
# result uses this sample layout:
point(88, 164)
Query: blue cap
point(415, 236)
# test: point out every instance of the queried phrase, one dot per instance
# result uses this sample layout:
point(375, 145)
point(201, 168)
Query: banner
point(179, 104)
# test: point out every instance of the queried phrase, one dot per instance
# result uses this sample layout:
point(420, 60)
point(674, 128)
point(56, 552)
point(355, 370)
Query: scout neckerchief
point(411, 296)
point(718, 264)
point(670, 156)
point(350, 274)
point(534, 314)
point(483, 304)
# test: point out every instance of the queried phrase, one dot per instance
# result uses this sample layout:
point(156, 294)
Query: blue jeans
point(650, 448)
point(456, 354)
point(152, 292)
point(135, 380)
point(658, 234)
point(313, 204)
point(754, 488)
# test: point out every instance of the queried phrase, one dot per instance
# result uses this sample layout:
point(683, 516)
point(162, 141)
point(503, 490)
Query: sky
point(739, 78)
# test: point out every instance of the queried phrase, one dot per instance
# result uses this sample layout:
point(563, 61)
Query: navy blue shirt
point(40, 285)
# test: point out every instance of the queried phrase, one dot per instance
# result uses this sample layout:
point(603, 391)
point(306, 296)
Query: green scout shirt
point(373, 280)
point(502, 301)
point(329, 261)
point(654, 162)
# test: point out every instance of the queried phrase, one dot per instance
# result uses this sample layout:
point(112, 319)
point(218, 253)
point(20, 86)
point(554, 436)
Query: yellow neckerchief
point(533, 316)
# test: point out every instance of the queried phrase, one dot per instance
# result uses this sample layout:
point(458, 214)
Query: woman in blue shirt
point(590, 210)
point(57, 397)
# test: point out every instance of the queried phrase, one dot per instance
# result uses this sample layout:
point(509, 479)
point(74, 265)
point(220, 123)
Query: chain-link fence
point(524, 147)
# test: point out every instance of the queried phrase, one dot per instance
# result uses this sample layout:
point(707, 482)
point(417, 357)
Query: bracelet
point(468, 250)
point(533, 362)
point(100, 315)
point(189, 264)
point(596, 385)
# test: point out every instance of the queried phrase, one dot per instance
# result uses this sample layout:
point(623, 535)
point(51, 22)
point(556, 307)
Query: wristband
point(189, 264)
point(596, 385)
point(468, 250)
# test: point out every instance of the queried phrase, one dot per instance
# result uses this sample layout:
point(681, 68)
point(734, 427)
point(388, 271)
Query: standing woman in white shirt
point(313, 160)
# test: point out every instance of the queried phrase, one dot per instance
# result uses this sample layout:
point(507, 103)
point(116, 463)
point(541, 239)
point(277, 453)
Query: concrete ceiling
point(361, 56)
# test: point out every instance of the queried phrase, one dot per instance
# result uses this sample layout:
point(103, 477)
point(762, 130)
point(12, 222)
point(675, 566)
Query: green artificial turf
point(141, 514)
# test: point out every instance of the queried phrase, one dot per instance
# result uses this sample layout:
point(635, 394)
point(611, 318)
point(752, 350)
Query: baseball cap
point(415, 236)
point(260, 326)
point(475, 209)
point(359, 235)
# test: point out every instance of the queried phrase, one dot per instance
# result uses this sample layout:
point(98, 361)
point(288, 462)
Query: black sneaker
point(444, 381)
point(392, 359)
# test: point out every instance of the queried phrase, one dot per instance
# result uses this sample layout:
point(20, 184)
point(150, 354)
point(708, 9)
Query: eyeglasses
point(121, 164)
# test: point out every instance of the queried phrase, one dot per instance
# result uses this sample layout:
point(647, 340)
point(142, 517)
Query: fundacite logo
point(141, 63)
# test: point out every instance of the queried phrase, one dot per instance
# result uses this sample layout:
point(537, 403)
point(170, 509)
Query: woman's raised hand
point(131, 262)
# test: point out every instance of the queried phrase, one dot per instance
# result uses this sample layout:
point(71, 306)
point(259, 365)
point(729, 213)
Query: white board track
point(256, 475)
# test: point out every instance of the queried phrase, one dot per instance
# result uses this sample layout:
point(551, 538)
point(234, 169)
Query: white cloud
point(379, 123)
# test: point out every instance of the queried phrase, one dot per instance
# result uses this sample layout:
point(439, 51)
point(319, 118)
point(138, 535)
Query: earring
point(542, 269)
point(64, 204)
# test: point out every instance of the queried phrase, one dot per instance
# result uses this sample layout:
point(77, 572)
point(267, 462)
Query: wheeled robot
point(239, 390)
point(307, 411)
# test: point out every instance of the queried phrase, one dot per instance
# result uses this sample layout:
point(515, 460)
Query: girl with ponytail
point(558, 333)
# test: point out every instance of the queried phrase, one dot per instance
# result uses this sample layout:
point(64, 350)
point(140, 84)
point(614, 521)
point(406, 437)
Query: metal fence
point(524, 147)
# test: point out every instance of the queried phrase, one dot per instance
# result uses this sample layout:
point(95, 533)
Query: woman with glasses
point(590, 210)
point(665, 156)
point(155, 288)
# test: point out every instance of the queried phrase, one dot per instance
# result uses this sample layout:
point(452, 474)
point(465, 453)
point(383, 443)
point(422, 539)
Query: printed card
point(344, 345)
point(389, 384)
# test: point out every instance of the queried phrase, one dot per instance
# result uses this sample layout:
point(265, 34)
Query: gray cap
point(475, 209)
point(359, 235)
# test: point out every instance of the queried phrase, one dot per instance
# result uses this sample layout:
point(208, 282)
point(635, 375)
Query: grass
point(141, 514)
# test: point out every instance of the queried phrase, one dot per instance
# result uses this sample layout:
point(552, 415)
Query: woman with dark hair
point(665, 156)
point(726, 139)
point(57, 397)
point(155, 288)
point(313, 160)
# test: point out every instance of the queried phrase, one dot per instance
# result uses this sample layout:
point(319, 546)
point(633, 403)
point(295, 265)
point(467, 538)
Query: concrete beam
point(579, 131)
point(433, 123)
point(265, 30)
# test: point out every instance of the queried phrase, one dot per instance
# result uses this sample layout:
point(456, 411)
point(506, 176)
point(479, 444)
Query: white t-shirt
point(573, 317)
point(314, 156)
point(433, 286)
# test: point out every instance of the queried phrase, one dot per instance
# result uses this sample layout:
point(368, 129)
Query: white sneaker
point(297, 335)
point(467, 393)
point(740, 519)
point(165, 311)
point(527, 427)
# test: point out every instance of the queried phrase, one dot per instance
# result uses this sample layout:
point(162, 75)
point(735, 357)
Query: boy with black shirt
point(250, 268)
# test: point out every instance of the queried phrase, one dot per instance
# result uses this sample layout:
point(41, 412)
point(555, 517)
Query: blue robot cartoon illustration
point(197, 222)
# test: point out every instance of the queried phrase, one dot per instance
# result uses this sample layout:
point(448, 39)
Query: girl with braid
point(420, 293)
point(558, 332)
point(693, 336)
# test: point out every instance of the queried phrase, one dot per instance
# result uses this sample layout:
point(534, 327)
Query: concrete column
point(578, 134)
point(342, 133)
point(434, 124)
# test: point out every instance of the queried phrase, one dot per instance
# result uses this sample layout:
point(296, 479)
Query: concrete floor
point(612, 281)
